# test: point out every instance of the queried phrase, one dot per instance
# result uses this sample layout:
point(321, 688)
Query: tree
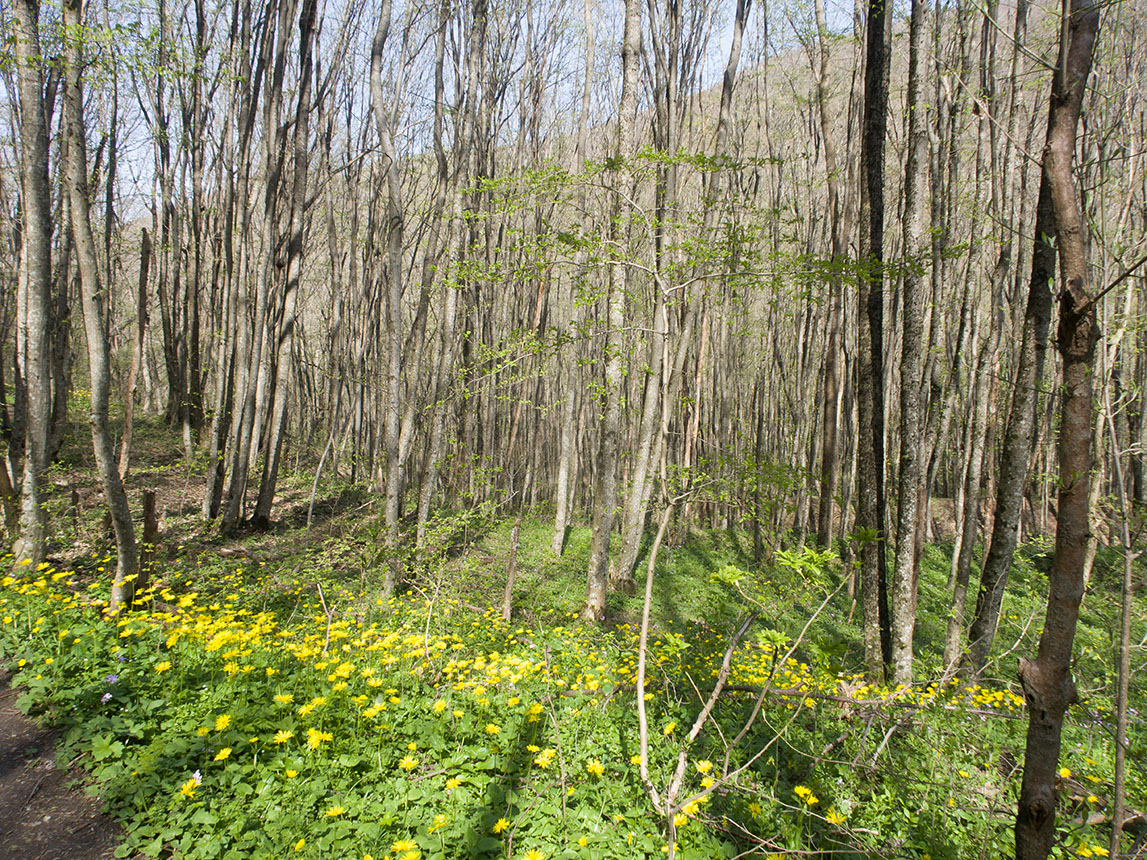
point(1047, 683)
point(34, 302)
point(870, 370)
point(605, 483)
point(127, 556)
point(903, 600)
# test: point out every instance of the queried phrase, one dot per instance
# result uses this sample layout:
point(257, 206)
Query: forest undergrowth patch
point(244, 713)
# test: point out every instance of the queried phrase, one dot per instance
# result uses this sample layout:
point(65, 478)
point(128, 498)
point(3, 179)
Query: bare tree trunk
point(393, 301)
point(33, 338)
point(1047, 682)
point(137, 347)
point(1019, 435)
point(127, 556)
point(870, 372)
point(605, 483)
point(912, 359)
point(833, 347)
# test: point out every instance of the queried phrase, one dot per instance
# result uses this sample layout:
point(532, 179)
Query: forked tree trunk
point(1047, 683)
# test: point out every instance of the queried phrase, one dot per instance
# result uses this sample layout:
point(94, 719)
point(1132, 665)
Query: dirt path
point(40, 817)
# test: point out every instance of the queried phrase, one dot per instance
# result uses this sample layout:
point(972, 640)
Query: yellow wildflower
point(283, 735)
point(500, 825)
point(315, 738)
point(222, 722)
point(594, 767)
point(223, 754)
point(335, 811)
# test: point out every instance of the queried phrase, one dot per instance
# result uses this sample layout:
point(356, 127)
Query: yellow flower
point(408, 762)
point(163, 667)
point(291, 774)
point(284, 698)
point(1065, 772)
point(680, 819)
point(834, 817)
point(492, 728)
point(453, 783)
point(439, 706)
point(315, 738)
point(545, 758)
point(635, 760)
point(403, 845)
point(500, 825)
point(594, 767)
point(755, 810)
point(283, 735)
point(188, 788)
point(1091, 798)
point(223, 754)
point(704, 766)
point(202, 730)
point(669, 729)
point(335, 811)
point(222, 722)
point(299, 845)
point(440, 821)
point(533, 854)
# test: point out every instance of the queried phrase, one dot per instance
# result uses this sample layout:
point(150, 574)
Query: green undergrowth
point(245, 712)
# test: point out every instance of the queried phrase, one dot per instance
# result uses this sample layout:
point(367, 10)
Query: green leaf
point(103, 748)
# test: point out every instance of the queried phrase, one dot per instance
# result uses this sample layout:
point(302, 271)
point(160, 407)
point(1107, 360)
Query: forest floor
point(43, 815)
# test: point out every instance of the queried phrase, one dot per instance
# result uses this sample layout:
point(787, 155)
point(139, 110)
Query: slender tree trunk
point(870, 371)
point(76, 167)
point(1019, 435)
point(137, 348)
point(833, 348)
point(911, 358)
point(34, 326)
point(605, 483)
point(1047, 683)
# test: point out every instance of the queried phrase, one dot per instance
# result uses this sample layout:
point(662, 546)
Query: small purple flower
point(107, 697)
point(121, 657)
point(111, 679)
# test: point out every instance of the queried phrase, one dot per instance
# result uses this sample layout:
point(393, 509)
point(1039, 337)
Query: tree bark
point(1047, 683)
